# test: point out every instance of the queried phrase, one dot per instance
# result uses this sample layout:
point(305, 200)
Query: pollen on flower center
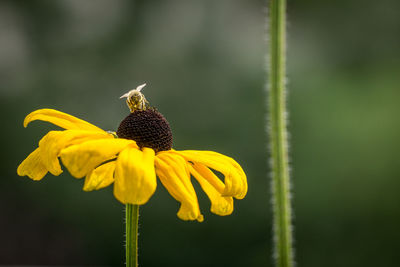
point(148, 128)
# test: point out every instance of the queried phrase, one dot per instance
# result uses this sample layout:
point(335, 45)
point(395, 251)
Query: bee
point(135, 99)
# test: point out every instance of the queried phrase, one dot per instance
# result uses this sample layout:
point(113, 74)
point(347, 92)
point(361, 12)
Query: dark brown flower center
point(148, 128)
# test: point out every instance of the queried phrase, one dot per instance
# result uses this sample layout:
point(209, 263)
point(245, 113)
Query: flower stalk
point(278, 135)
point(132, 219)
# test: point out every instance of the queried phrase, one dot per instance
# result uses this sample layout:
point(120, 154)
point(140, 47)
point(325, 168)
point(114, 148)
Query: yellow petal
point(100, 177)
point(32, 166)
point(135, 177)
point(174, 175)
point(54, 141)
point(219, 205)
point(83, 158)
point(61, 119)
point(235, 178)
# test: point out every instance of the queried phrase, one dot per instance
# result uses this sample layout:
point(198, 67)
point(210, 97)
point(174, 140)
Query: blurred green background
point(204, 64)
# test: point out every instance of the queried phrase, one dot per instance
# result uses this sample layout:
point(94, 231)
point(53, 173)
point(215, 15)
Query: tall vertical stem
point(278, 134)
point(132, 219)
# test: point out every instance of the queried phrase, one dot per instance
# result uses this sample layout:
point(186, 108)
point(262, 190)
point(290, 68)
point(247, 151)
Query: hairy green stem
point(278, 135)
point(132, 219)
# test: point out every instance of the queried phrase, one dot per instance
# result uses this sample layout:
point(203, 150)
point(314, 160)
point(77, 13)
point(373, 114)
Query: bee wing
point(140, 87)
point(125, 95)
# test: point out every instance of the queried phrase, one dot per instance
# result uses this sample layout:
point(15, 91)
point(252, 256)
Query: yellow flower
point(133, 161)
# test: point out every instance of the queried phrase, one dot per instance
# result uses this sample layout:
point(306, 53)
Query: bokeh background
point(204, 63)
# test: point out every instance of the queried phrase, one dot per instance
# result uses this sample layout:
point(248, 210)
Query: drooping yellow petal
point(219, 205)
point(83, 158)
point(61, 119)
point(235, 179)
point(54, 141)
point(135, 177)
point(174, 175)
point(32, 166)
point(100, 177)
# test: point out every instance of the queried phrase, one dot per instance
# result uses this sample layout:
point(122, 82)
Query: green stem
point(278, 135)
point(132, 218)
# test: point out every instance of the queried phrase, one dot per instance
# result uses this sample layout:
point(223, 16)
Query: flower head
point(141, 151)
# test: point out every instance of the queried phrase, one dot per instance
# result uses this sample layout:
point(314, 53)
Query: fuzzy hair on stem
point(278, 136)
